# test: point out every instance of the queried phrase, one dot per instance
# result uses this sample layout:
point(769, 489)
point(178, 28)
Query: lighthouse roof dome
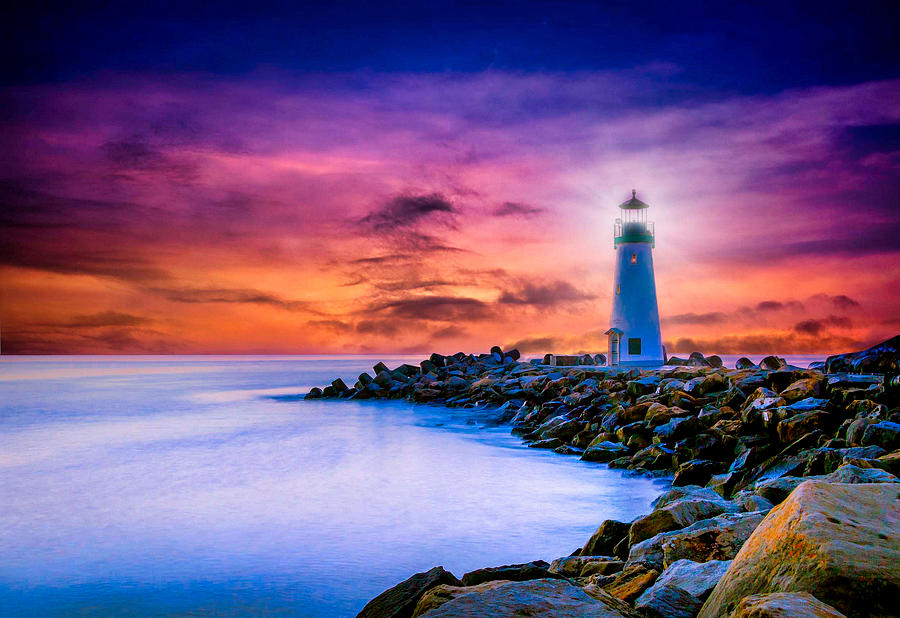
point(634, 203)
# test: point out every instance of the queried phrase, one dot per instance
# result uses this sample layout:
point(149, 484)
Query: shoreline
point(737, 443)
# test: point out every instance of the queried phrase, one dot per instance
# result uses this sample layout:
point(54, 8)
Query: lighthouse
point(634, 336)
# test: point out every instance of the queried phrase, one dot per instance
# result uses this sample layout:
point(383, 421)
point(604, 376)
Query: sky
point(396, 178)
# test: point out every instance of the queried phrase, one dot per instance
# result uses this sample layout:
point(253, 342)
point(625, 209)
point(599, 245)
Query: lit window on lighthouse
point(634, 258)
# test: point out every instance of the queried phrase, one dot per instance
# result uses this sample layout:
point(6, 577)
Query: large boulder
point(631, 582)
point(882, 358)
point(539, 597)
point(604, 451)
point(784, 605)
point(537, 569)
point(667, 602)
point(575, 566)
point(604, 540)
point(400, 601)
point(836, 541)
point(717, 538)
point(673, 516)
point(696, 578)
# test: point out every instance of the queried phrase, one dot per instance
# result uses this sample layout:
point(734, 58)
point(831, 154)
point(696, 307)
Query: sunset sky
point(353, 179)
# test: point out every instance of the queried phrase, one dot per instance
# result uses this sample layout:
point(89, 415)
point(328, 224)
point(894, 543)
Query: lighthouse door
point(614, 348)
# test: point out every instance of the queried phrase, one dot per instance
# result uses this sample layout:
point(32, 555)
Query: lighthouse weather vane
point(634, 333)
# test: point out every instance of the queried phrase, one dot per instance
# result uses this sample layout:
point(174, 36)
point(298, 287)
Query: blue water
point(203, 485)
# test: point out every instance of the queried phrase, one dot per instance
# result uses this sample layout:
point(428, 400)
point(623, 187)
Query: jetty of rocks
point(784, 501)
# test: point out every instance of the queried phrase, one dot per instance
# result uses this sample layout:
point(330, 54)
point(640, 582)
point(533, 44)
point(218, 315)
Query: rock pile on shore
point(784, 492)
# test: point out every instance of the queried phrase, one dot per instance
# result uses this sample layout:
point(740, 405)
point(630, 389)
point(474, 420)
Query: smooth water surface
point(204, 485)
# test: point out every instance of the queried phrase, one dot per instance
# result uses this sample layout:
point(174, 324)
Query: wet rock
point(802, 389)
point(338, 386)
point(667, 602)
point(314, 393)
point(539, 597)
point(718, 538)
point(884, 434)
point(537, 569)
point(574, 566)
point(882, 358)
point(603, 451)
point(794, 427)
point(696, 472)
point(631, 582)
point(550, 443)
point(400, 601)
point(772, 363)
point(744, 363)
point(696, 578)
point(643, 386)
point(838, 542)
point(605, 539)
point(673, 516)
point(784, 605)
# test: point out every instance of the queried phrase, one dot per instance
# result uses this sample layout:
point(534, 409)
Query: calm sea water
point(203, 485)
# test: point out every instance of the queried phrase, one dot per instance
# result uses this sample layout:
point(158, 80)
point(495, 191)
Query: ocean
point(199, 485)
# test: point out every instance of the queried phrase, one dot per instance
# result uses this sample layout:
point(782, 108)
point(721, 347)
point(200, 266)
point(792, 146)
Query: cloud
point(537, 344)
point(774, 305)
point(544, 295)
point(101, 320)
point(335, 326)
point(815, 327)
point(378, 327)
point(839, 301)
point(230, 295)
point(514, 209)
point(716, 317)
point(404, 211)
point(449, 332)
point(436, 308)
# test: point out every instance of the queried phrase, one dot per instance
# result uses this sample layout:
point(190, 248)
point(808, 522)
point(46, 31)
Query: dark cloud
point(405, 211)
point(101, 320)
point(378, 327)
point(60, 259)
point(514, 209)
point(541, 345)
point(436, 308)
point(449, 332)
point(544, 295)
point(774, 305)
point(382, 259)
point(230, 295)
point(815, 327)
point(715, 317)
point(869, 139)
point(332, 325)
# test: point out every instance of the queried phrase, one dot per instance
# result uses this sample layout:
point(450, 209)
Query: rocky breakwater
point(781, 474)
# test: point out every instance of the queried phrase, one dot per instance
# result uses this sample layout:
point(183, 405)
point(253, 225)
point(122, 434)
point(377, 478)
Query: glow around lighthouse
point(634, 334)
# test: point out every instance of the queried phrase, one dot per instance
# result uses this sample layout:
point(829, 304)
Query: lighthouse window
point(634, 347)
point(634, 258)
point(618, 289)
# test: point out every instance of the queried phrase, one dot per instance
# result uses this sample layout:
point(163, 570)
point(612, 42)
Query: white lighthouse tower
point(634, 336)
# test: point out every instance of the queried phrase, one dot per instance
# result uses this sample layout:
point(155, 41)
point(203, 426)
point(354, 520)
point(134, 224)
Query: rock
point(549, 443)
point(560, 427)
point(855, 475)
point(882, 358)
point(718, 538)
point(673, 516)
point(715, 361)
point(802, 389)
point(744, 363)
point(605, 539)
point(784, 605)
point(857, 429)
point(574, 566)
point(667, 602)
point(603, 451)
point(838, 542)
point(890, 462)
point(696, 472)
point(631, 582)
point(314, 393)
point(796, 426)
point(643, 386)
point(539, 597)
point(696, 578)
point(772, 363)
point(400, 601)
point(338, 386)
point(884, 434)
point(537, 569)
point(439, 595)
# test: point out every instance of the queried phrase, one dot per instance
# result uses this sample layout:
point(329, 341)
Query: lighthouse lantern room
point(634, 333)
